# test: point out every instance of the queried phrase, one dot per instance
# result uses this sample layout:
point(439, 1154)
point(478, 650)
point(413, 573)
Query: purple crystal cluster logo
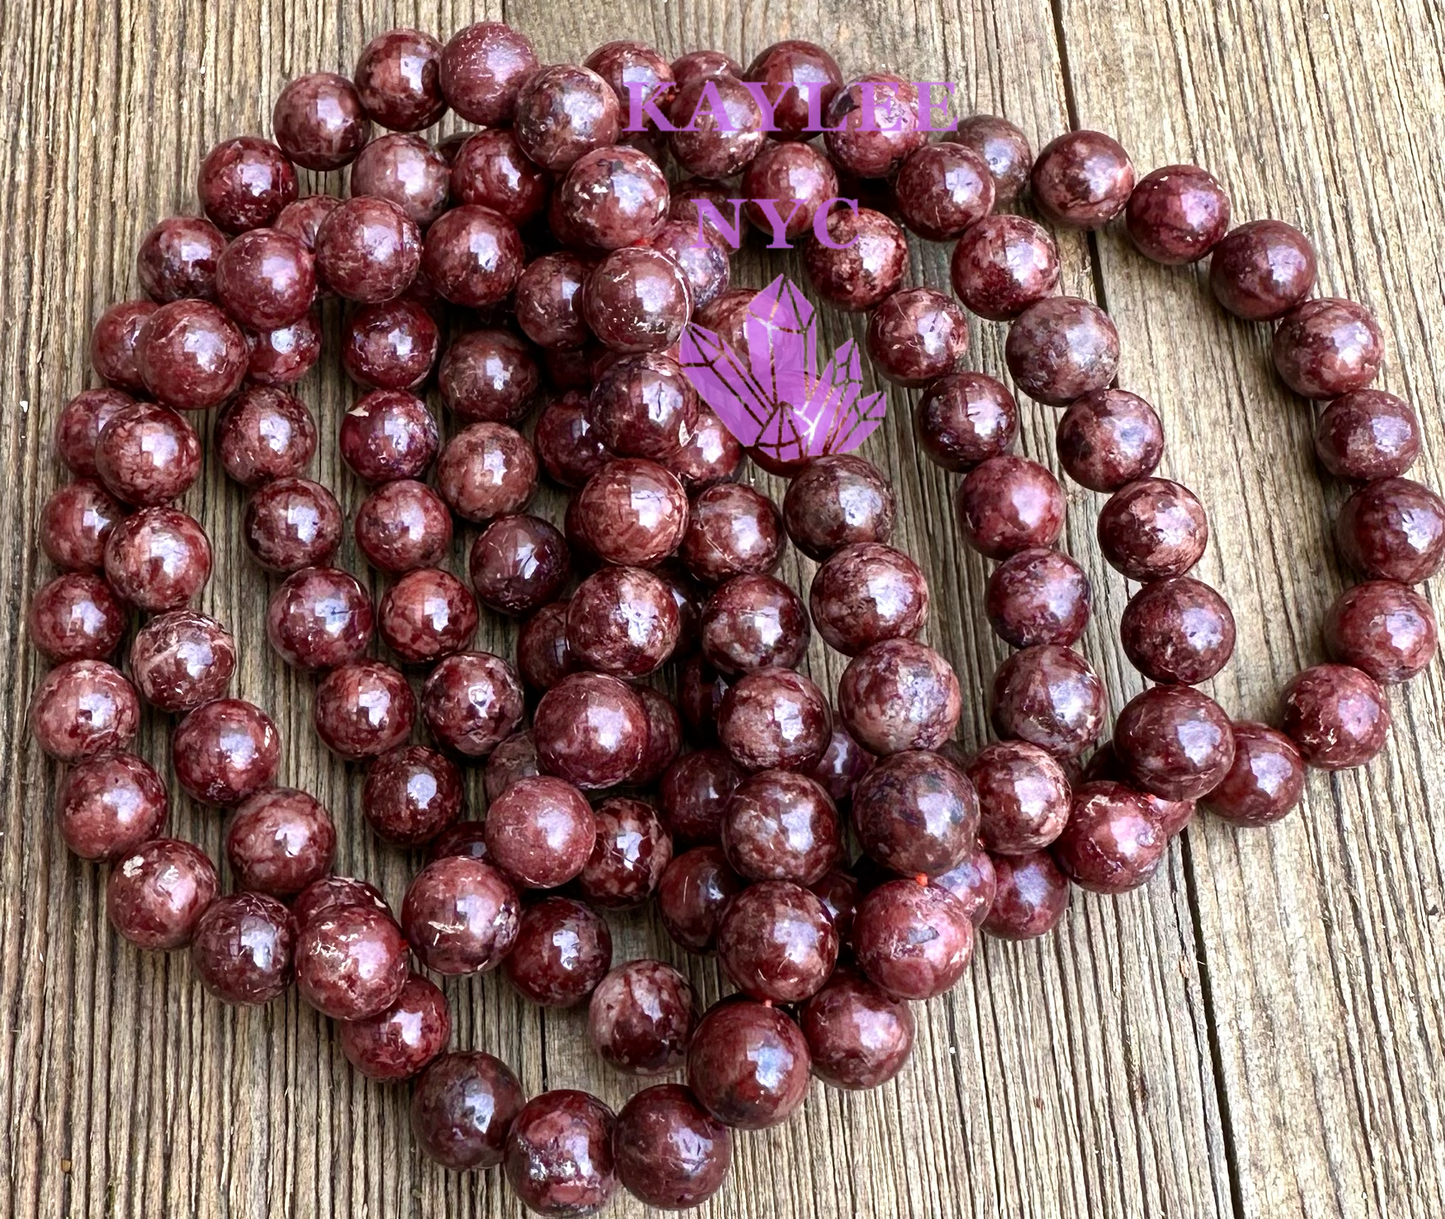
point(777, 399)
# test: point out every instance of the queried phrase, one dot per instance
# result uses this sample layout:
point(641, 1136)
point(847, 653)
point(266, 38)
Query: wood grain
point(1258, 1032)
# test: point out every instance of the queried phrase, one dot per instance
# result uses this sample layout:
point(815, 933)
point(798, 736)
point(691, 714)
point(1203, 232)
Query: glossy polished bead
point(1111, 843)
point(1393, 529)
point(285, 355)
point(244, 183)
point(916, 812)
point(363, 709)
point(965, 418)
point(225, 750)
point(1007, 504)
point(1384, 628)
point(1108, 438)
point(1061, 348)
point(319, 617)
point(719, 127)
point(710, 455)
point(460, 915)
point(482, 68)
point(147, 455)
point(265, 433)
point(670, 1152)
point(695, 793)
point(1264, 782)
point(540, 832)
point(1171, 815)
point(398, 80)
point(182, 659)
point(157, 559)
point(1327, 347)
point(1153, 529)
point(1050, 697)
point(1177, 630)
point(630, 852)
point(836, 500)
point(487, 470)
point(390, 345)
point(863, 261)
point(190, 355)
point(1082, 180)
point(796, 179)
point(859, 1036)
point(109, 805)
point(564, 112)
point(1367, 435)
point(843, 764)
point(515, 758)
point(291, 523)
point(1038, 596)
point(279, 841)
point(177, 259)
point(563, 950)
point(913, 940)
point(319, 121)
point(614, 197)
point(695, 889)
point(411, 795)
point(155, 896)
point(242, 949)
point(491, 170)
point(897, 695)
point(871, 126)
point(973, 883)
point(637, 299)
point(753, 622)
point(777, 942)
point(402, 525)
point(407, 171)
point(427, 614)
point(472, 702)
point(774, 718)
point(748, 1065)
point(635, 512)
point(1262, 270)
point(641, 1017)
point(1002, 265)
point(398, 1042)
point(114, 341)
point(916, 335)
point(1174, 742)
point(265, 279)
point(1336, 715)
point(591, 730)
point(518, 563)
point(731, 529)
point(1023, 797)
point(388, 434)
point(1003, 147)
point(781, 825)
point(1031, 897)
point(489, 375)
point(1177, 214)
point(331, 893)
point(942, 189)
point(76, 617)
point(559, 1158)
point(462, 1106)
point(351, 962)
point(368, 250)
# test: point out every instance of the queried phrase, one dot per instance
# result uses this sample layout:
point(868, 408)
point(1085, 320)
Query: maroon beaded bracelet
point(677, 561)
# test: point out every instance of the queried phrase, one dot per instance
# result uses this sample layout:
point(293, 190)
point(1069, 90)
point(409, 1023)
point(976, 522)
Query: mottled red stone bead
point(1061, 348)
point(1327, 347)
point(1262, 270)
point(916, 812)
point(911, 939)
point(1177, 214)
point(871, 125)
point(540, 832)
point(487, 470)
point(695, 66)
point(177, 259)
point(702, 144)
point(265, 279)
point(182, 659)
point(1174, 742)
point(568, 446)
point(319, 121)
point(614, 197)
point(519, 563)
point(1393, 529)
point(398, 80)
point(489, 375)
point(777, 942)
point(797, 179)
point(401, 525)
point(753, 622)
point(472, 702)
point(843, 764)
point(543, 657)
point(548, 300)
point(114, 339)
point(155, 896)
point(695, 792)
point(302, 218)
point(1384, 628)
point(695, 889)
point(461, 915)
point(1265, 780)
point(635, 512)
point(863, 265)
point(285, 355)
point(623, 621)
point(916, 335)
point(1031, 896)
point(774, 718)
point(972, 883)
point(781, 825)
point(491, 170)
point(351, 962)
point(964, 418)
point(897, 695)
point(190, 355)
point(1082, 180)
point(110, 804)
point(641, 1017)
point(591, 730)
point(265, 433)
point(1337, 716)
point(866, 593)
point(462, 1107)
point(664, 737)
point(1171, 815)
point(1038, 596)
point(83, 708)
point(397, 1043)
point(559, 1158)
point(1363, 436)
point(859, 1036)
point(411, 795)
point(637, 299)
point(799, 79)
point(1007, 504)
point(225, 750)
point(563, 949)
point(81, 421)
point(643, 406)
point(1112, 843)
point(748, 1064)
point(279, 841)
point(942, 189)
point(363, 709)
point(630, 852)
point(390, 345)
point(388, 434)
point(732, 529)
point(368, 250)
point(836, 500)
point(242, 949)
point(473, 255)
point(157, 559)
point(407, 171)
point(1108, 438)
point(75, 617)
point(331, 893)
point(1023, 797)
point(515, 758)
point(292, 523)
point(319, 617)
point(1177, 630)
point(709, 456)
point(1152, 529)
point(1049, 696)
point(670, 1152)
point(245, 182)
point(482, 68)
point(427, 614)
point(564, 112)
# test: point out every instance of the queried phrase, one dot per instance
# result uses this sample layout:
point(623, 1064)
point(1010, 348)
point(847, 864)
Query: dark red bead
point(1365, 435)
point(916, 812)
point(1031, 897)
point(363, 709)
point(157, 559)
point(331, 893)
point(190, 355)
point(706, 145)
point(319, 617)
point(732, 529)
point(411, 795)
point(859, 1036)
point(540, 832)
point(225, 750)
point(245, 182)
point(777, 942)
point(482, 68)
point(109, 805)
point(670, 1152)
point(630, 851)
point(911, 939)
point(519, 563)
point(1082, 180)
point(1327, 347)
point(462, 1107)
point(1003, 146)
point(390, 345)
point(1061, 348)
point(1050, 697)
point(1111, 843)
point(965, 418)
point(76, 617)
point(114, 341)
point(472, 702)
point(242, 949)
point(398, 1042)
point(398, 80)
point(1153, 529)
point(548, 300)
point(156, 895)
point(490, 169)
point(388, 434)
point(1109, 438)
point(1264, 782)
point(460, 915)
point(917, 335)
point(487, 470)
point(368, 250)
point(1007, 504)
point(1384, 628)
point(748, 1065)
point(1038, 596)
point(865, 262)
point(1261, 270)
point(781, 825)
point(695, 793)
point(351, 962)
point(319, 121)
point(177, 259)
point(942, 189)
point(489, 375)
point(1002, 265)
point(427, 614)
point(973, 883)
point(559, 1158)
point(407, 171)
point(774, 718)
point(1177, 630)
point(591, 730)
point(637, 299)
point(871, 126)
point(1336, 715)
point(1394, 529)
point(265, 279)
point(1023, 797)
point(1177, 214)
point(753, 622)
point(641, 1017)
point(1174, 742)
point(292, 523)
point(265, 433)
point(279, 841)
point(515, 758)
point(563, 950)
point(695, 889)
point(897, 695)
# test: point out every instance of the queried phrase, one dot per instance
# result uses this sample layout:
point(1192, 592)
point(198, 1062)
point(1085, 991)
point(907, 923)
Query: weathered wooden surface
point(1258, 1032)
